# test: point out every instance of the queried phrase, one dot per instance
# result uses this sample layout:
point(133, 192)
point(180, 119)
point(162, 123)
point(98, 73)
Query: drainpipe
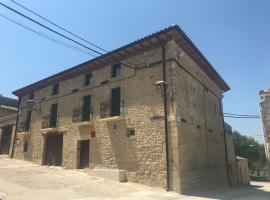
point(225, 144)
point(16, 128)
point(165, 117)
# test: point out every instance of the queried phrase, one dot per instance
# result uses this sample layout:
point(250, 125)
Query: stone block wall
point(242, 168)
point(9, 120)
point(199, 148)
point(231, 156)
point(143, 157)
point(265, 117)
point(195, 123)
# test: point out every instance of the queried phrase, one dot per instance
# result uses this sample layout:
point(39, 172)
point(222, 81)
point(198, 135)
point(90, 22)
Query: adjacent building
point(152, 108)
point(232, 163)
point(8, 115)
point(265, 116)
point(237, 166)
point(242, 171)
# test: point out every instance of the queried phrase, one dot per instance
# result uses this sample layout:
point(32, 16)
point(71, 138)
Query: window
point(25, 146)
point(88, 79)
point(53, 117)
point(115, 102)
point(31, 96)
point(55, 89)
point(86, 108)
point(28, 120)
point(131, 133)
point(116, 70)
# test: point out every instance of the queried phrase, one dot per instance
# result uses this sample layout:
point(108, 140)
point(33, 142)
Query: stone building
point(237, 166)
point(8, 115)
point(265, 117)
point(152, 109)
point(232, 164)
point(242, 171)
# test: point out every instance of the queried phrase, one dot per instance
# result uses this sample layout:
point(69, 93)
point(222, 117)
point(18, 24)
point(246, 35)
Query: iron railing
point(48, 123)
point(80, 115)
point(107, 111)
point(22, 127)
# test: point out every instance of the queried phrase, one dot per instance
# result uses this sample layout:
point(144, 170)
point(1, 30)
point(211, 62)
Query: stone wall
point(199, 151)
point(143, 157)
point(9, 120)
point(231, 156)
point(242, 168)
point(195, 124)
point(265, 117)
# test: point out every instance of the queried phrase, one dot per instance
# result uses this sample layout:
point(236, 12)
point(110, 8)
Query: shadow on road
point(257, 191)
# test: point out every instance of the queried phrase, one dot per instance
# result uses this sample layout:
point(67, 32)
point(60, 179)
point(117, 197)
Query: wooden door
point(83, 147)
point(53, 150)
point(5, 140)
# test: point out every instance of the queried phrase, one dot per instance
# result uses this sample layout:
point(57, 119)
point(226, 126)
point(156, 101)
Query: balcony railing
point(47, 122)
point(81, 115)
point(22, 127)
point(107, 111)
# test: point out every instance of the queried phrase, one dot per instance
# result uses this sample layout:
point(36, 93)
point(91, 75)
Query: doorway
point(83, 153)
point(5, 140)
point(53, 150)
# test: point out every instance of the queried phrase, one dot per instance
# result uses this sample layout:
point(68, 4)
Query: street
point(24, 180)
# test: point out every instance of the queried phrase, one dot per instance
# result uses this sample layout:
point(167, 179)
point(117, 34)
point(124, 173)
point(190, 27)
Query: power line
point(241, 115)
point(48, 28)
point(131, 65)
point(240, 121)
point(233, 115)
point(49, 21)
point(46, 36)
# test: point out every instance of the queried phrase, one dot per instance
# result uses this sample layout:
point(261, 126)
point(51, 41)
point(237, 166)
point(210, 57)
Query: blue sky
point(233, 35)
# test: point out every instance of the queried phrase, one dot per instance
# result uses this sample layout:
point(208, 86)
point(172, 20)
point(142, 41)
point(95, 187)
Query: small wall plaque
point(157, 117)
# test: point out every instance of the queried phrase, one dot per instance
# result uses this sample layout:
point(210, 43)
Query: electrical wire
point(46, 36)
point(233, 115)
point(131, 65)
point(64, 29)
point(241, 115)
point(48, 28)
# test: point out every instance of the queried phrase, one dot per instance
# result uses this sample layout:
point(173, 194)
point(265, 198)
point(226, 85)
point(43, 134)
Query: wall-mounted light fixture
point(30, 104)
point(160, 86)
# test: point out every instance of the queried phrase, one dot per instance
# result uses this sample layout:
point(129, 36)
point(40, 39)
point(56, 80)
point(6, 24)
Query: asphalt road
point(24, 180)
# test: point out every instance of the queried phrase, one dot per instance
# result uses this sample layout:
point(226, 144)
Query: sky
point(233, 36)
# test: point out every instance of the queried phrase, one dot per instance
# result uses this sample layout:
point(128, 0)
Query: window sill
point(114, 118)
point(84, 123)
point(116, 78)
point(49, 130)
point(23, 132)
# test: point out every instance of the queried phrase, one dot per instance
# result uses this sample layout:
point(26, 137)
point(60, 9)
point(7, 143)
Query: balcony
point(22, 127)
point(82, 116)
point(108, 112)
point(48, 122)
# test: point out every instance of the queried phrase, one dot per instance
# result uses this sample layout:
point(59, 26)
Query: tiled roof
point(149, 42)
point(6, 101)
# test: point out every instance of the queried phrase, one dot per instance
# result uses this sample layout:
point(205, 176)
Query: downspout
point(225, 144)
point(165, 117)
point(16, 128)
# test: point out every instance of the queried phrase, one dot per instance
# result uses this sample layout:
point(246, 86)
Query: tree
point(249, 148)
